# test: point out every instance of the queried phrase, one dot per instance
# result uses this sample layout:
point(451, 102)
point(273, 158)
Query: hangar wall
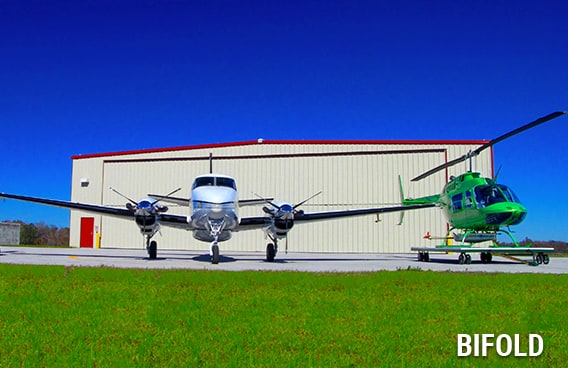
point(351, 174)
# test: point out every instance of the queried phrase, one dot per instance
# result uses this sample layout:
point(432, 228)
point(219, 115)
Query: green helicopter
point(481, 208)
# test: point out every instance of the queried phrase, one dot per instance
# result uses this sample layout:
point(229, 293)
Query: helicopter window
point(457, 202)
point(489, 194)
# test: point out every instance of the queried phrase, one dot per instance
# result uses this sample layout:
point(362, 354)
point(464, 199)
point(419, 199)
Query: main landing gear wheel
point(270, 252)
point(153, 250)
point(215, 254)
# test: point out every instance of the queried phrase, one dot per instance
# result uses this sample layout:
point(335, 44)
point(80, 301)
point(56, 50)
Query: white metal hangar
point(350, 174)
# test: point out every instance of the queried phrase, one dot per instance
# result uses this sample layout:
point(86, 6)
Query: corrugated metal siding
point(351, 176)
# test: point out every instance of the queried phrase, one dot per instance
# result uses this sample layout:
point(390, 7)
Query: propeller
point(283, 216)
point(144, 204)
point(471, 154)
point(286, 207)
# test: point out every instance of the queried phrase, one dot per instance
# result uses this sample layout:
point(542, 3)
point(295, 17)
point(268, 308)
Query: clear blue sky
point(99, 76)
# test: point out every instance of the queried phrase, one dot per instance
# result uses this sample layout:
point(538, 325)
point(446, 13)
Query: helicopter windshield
point(511, 196)
point(487, 195)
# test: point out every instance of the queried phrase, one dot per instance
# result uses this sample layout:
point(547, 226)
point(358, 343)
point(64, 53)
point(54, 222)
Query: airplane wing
point(249, 223)
point(185, 201)
point(318, 216)
point(165, 219)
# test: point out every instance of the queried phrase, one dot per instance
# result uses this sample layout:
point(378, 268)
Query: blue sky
point(82, 77)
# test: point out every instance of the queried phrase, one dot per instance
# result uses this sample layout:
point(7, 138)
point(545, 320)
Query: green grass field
point(80, 317)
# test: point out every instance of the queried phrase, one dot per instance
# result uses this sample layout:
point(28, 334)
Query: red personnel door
point(87, 230)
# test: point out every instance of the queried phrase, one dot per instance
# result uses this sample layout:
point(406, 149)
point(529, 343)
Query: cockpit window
point(226, 182)
point(487, 195)
point(204, 181)
point(511, 196)
point(214, 181)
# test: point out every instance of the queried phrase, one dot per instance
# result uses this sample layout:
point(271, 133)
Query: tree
point(29, 234)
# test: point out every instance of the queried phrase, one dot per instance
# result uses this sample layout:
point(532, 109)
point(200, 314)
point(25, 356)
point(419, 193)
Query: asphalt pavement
point(255, 261)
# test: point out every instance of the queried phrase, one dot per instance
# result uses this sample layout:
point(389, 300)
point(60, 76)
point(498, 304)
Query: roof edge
point(276, 142)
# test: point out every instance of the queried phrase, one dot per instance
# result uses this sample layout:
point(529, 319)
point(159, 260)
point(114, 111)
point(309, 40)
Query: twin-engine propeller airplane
point(213, 214)
point(481, 208)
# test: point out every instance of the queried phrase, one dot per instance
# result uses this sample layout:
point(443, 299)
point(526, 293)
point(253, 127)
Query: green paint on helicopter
point(472, 202)
point(476, 204)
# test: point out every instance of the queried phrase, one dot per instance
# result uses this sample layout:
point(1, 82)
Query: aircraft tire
point(215, 256)
point(539, 258)
point(461, 258)
point(270, 252)
point(545, 259)
point(153, 250)
point(467, 259)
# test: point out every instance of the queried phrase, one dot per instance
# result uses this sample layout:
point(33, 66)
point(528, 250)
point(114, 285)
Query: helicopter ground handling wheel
point(541, 258)
point(464, 258)
point(486, 257)
point(545, 259)
point(423, 257)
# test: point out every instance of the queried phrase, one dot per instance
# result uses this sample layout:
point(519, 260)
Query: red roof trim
point(281, 142)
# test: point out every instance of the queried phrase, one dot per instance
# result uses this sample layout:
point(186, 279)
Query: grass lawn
point(56, 316)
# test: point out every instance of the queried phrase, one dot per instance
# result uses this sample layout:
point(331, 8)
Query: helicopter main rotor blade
point(477, 151)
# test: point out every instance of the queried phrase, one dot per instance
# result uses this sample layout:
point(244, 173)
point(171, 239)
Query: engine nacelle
point(147, 223)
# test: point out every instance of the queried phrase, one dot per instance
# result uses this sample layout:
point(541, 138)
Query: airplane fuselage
point(214, 208)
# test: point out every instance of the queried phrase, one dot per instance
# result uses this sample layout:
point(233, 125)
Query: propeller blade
point(305, 200)
point(267, 201)
point(166, 196)
point(477, 151)
point(123, 196)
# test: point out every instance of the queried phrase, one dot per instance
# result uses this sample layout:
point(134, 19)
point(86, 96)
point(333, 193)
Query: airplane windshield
point(226, 182)
point(204, 181)
point(487, 195)
point(214, 181)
